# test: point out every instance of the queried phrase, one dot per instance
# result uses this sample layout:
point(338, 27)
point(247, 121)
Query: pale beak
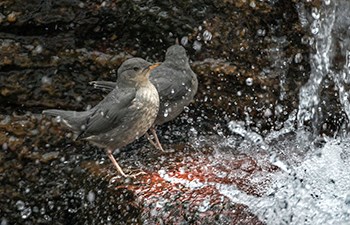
point(152, 67)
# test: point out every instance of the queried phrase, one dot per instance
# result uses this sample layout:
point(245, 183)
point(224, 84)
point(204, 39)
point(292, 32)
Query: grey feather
point(175, 81)
point(125, 114)
point(104, 85)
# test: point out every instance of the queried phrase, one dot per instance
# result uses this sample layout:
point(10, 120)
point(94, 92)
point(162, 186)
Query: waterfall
point(330, 44)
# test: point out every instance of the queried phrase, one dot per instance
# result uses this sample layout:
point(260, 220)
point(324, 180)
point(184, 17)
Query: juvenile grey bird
point(176, 84)
point(124, 115)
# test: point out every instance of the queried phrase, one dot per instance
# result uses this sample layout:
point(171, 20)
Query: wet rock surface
point(73, 181)
point(51, 50)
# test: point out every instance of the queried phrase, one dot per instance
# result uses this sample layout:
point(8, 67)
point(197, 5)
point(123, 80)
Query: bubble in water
point(207, 35)
point(249, 81)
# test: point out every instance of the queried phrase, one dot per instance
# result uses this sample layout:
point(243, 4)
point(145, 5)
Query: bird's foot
point(131, 175)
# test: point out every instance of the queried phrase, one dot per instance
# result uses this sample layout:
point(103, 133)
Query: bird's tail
point(72, 119)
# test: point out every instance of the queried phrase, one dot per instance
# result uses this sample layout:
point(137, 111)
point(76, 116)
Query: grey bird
point(176, 84)
point(124, 115)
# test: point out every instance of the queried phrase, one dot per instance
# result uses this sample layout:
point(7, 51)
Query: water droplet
point(163, 14)
point(315, 13)
point(298, 58)
point(38, 49)
point(315, 27)
point(197, 45)
point(71, 210)
point(184, 40)
point(261, 32)
point(267, 113)
point(252, 4)
point(249, 81)
point(166, 113)
point(4, 146)
point(79, 98)
point(20, 205)
point(186, 109)
point(46, 80)
point(207, 35)
point(161, 172)
point(26, 213)
point(4, 221)
point(6, 120)
point(205, 205)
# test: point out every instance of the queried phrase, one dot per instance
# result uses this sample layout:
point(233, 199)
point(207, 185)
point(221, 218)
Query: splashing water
point(312, 184)
point(330, 41)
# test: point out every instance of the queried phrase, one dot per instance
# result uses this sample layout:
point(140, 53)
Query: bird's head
point(135, 70)
point(176, 53)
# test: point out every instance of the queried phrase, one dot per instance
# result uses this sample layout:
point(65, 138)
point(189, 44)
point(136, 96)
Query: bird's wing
point(104, 85)
point(107, 115)
point(167, 83)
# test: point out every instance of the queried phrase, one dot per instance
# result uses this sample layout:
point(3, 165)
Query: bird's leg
point(111, 157)
point(150, 140)
point(153, 130)
point(120, 170)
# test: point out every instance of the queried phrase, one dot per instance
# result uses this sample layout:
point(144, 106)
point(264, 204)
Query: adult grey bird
point(176, 84)
point(124, 115)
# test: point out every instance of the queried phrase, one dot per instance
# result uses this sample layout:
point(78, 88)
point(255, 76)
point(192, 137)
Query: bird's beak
point(147, 71)
point(152, 67)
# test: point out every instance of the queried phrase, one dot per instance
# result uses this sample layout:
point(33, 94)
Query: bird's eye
point(136, 68)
